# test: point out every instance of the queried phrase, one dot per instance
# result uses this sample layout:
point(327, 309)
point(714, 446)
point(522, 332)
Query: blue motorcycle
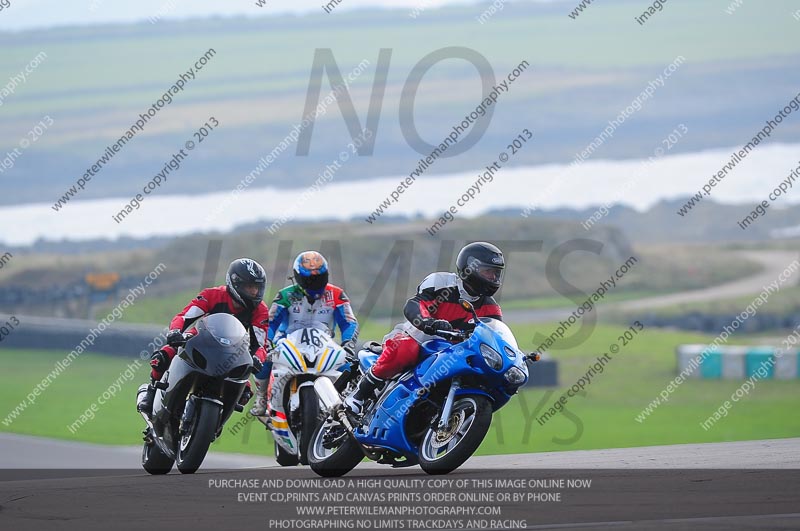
point(435, 415)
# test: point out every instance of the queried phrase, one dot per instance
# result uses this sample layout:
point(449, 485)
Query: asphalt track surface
point(741, 485)
point(28, 452)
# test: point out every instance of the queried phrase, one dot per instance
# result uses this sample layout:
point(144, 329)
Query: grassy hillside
point(361, 261)
point(783, 302)
point(711, 222)
point(95, 82)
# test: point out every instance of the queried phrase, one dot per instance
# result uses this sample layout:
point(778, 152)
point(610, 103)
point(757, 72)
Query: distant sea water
point(634, 183)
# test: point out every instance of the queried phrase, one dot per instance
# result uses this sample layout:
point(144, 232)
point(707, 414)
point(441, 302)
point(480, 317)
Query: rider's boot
point(247, 394)
point(145, 397)
point(259, 409)
point(366, 389)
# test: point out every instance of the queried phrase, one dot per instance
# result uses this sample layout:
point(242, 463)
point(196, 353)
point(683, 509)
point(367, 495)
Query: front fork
point(332, 401)
point(188, 416)
point(188, 411)
point(444, 419)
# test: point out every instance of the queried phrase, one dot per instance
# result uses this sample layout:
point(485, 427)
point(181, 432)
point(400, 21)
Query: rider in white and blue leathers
point(311, 302)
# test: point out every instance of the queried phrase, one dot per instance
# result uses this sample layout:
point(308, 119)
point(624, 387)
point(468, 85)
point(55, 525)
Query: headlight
point(491, 357)
point(511, 353)
point(515, 376)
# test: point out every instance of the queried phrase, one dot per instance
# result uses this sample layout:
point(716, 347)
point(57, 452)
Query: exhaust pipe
point(331, 400)
point(327, 393)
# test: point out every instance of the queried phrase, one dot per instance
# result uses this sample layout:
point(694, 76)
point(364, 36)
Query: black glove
point(350, 348)
point(159, 361)
point(257, 366)
point(175, 338)
point(431, 326)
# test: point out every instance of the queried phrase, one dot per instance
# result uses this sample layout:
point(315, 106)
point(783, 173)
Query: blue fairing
point(440, 362)
point(366, 360)
point(433, 346)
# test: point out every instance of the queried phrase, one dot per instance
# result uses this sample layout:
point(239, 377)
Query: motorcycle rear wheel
point(154, 461)
point(284, 458)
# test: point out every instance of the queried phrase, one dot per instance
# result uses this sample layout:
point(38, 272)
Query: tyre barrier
point(737, 362)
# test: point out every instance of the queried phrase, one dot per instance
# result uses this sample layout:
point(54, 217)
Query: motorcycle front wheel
point(443, 451)
point(331, 452)
point(309, 408)
point(194, 444)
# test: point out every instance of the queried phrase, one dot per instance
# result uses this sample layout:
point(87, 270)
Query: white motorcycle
point(298, 360)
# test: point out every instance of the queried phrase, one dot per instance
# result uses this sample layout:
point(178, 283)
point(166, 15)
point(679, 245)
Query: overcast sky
point(25, 14)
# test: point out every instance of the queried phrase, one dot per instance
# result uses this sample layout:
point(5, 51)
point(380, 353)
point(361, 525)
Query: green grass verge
point(604, 417)
point(152, 310)
point(785, 301)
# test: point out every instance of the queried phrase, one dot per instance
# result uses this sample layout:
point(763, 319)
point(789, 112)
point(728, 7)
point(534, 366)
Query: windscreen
point(501, 328)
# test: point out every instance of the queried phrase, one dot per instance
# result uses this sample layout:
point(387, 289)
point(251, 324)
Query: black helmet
point(311, 273)
point(243, 274)
point(480, 267)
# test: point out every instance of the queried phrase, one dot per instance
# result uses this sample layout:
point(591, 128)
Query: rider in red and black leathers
point(241, 296)
point(436, 308)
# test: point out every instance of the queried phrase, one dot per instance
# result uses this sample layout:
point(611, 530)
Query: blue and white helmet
point(311, 273)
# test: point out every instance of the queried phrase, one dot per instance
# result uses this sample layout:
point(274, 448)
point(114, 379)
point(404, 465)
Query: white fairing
point(307, 350)
point(304, 351)
point(158, 399)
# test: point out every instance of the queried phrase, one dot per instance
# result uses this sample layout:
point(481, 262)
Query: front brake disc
point(443, 437)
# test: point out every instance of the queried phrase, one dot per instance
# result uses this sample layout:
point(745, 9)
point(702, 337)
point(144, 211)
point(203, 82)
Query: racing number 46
point(311, 336)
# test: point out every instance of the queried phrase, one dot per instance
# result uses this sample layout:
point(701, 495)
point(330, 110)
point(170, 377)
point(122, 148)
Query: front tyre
point(309, 408)
point(194, 444)
point(442, 451)
point(331, 452)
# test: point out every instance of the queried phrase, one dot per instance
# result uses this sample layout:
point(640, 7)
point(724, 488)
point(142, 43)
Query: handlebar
point(447, 334)
point(180, 342)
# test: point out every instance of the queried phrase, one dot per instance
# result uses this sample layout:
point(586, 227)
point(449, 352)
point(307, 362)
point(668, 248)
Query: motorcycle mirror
point(468, 307)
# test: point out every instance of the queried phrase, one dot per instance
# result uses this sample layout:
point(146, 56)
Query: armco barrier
point(543, 373)
point(42, 333)
point(128, 340)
